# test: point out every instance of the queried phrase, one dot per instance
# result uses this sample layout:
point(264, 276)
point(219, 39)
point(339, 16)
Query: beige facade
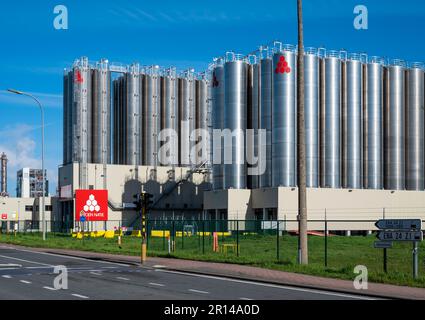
point(180, 193)
point(344, 209)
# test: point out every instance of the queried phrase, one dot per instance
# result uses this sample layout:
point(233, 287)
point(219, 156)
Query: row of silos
point(118, 115)
point(364, 119)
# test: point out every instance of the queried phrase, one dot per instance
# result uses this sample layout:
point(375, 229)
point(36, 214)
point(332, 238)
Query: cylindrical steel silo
point(66, 108)
point(101, 116)
point(169, 115)
point(254, 96)
point(352, 122)
point(151, 116)
point(265, 114)
point(186, 99)
point(201, 107)
point(82, 109)
point(395, 156)
point(115, 121)
point(373, 124)
point(217, 110)
point(284, 118)
point(415, 128)
point(235, 120)
point(311, 80)
point(331, 120)
point(132, 110)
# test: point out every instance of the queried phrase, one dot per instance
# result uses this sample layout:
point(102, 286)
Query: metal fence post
point(385, 260)
point(237, 238)
point(173, 234)
point(182, 234)
point(147, 234)
point(326, 241)
point(277, 240)
point(203, 236)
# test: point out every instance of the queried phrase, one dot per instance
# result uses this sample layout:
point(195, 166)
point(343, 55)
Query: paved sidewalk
point(250, 273)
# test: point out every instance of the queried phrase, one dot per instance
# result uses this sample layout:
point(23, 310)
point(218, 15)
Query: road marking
point(6, 276)
point(156, 284)
point(244, 298)
point(318, 291)
point(158, 266)
point(28, 261)
point(96, 273)
point(71, 257)
point(9, 265)
point(199, 291)
point(25, 281)
point(50, 288)
point(121, 278)
point(79, 296)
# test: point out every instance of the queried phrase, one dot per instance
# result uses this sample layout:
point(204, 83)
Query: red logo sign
point(282, 66)
point(93, 204)
point(78, 77)
point(4, 216)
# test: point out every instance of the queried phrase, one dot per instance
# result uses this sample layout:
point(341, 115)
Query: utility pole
point(302, 185)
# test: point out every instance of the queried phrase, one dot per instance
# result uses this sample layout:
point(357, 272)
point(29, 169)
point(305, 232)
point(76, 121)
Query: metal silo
point(217, 110)
point(352, 122)
point(151, 116)
point(254, 96)
point(373, 132)
point(311, 80)
point(115, 122)
point(331, 120)
point(235, 120)
point(67, 108)
point(201, 106)
point(284, 117)
point(186, 99)
point(82, 112)
point(395, 164)
point(415, 128)
point(131, 112)
point(101, 107)
point(265, 113)
point(169, 114)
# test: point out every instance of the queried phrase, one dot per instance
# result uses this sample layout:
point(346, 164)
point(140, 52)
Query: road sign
point(400, 235)
point(399, 224)
point(4, 216)
point(382, 244)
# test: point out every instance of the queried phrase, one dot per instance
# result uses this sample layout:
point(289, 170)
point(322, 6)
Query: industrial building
point(29, 183)
point(364, 119)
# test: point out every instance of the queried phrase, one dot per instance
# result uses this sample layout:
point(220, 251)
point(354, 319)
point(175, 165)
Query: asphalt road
point(26, 274)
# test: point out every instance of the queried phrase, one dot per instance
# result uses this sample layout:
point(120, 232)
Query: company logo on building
point(282, 66)
point(93, 204)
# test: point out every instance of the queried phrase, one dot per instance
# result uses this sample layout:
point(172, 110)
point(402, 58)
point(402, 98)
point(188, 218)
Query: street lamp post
point(43, 217)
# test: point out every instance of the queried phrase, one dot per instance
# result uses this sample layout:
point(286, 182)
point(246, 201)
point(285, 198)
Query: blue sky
point(180, 33)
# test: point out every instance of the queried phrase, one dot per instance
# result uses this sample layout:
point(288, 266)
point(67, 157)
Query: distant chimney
point(3, 186)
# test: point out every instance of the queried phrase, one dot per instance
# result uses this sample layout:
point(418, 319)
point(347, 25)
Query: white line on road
point(25, 281)
point(28, 261)
point(199, 291)
point(121, 278)
point(71, 257)
point(79, 296)
point(96, 273)
point(244, 298)
point(9, 265)
point(50, 288)
point(318, 291)
point(156, 284)
point(6, 276)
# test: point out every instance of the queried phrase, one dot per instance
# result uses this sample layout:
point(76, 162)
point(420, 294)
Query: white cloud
point(23, 151)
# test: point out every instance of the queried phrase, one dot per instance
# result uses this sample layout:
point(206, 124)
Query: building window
point(28, 208)
point(48, 208)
